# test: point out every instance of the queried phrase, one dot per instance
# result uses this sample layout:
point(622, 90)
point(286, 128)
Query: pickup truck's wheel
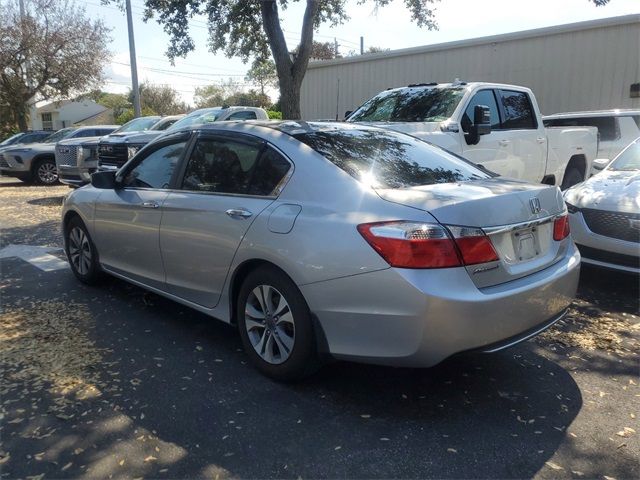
point(572, 177)
point(275, 325)
point(81, 252)
point(45, 172)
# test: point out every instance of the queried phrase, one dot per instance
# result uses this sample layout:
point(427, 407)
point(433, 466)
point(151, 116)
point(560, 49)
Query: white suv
point(616, 129)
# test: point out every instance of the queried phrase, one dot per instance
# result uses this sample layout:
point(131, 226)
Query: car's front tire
point(81, 252)
point(45, 172)
point(275, 325)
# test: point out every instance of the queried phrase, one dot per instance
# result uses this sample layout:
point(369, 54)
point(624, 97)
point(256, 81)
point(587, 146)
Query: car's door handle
point(238, 213)
point(150, 205)
point(541, 139)
point(504, 143)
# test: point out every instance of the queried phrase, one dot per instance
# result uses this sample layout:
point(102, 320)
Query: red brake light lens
point(411, 244)
point(474, 245)
point(561, 228)
point(405, 244)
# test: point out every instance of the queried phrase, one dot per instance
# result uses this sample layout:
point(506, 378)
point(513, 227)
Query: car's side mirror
point(601, 163)
point(104, 180)
point(347, 114)
point(481, 124)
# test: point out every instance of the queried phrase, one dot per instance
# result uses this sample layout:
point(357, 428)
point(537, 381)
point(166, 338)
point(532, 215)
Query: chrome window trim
point(517, 226)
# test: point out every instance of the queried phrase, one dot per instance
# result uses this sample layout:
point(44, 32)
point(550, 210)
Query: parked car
point(114, 151)
point(30, 136)
point(36, 162)
point(77, 159)
point(604, 213)
point(329, 239)
point(494, 125)
point(616, 129)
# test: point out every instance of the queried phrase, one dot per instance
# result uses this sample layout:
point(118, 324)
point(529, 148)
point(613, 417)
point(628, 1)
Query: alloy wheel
point(47, 173)
point(80, 251)
point(270, 324)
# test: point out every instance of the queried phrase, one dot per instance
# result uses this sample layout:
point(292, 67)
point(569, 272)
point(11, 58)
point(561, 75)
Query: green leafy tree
point(247, 29)
point(161, 99)
point(209, 96)
point(252, 98)
point(253, 29)
point(129, 114)
point(263, 73)
point(54, 52)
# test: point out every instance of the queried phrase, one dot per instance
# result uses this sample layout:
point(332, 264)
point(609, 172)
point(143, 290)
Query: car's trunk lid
point(517, 216)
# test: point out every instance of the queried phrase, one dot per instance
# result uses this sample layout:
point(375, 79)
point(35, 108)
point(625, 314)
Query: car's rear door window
point(222, 165)
point(518, 110)
point(386, 159)
point(244, 115)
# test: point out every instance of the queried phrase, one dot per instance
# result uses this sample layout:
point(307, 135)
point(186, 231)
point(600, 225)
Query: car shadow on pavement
point(177, 399)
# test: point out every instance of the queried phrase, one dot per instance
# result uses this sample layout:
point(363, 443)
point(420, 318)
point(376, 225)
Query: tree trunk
point(290, 71)
point(290, 98)
point(21, 118)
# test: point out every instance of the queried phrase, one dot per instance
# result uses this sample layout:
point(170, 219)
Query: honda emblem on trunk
point(534, 203)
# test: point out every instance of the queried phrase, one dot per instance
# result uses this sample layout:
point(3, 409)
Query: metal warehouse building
point(579, 66)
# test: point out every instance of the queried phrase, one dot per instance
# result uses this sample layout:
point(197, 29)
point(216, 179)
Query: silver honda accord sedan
point(329, 240)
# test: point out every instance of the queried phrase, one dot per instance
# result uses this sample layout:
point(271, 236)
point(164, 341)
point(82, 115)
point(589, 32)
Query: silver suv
point(36, 162)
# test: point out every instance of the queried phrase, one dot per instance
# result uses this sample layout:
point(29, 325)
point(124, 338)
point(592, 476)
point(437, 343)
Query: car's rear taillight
point(474, 245)
point(407, 244)
point(411, 244)
point(561, 228)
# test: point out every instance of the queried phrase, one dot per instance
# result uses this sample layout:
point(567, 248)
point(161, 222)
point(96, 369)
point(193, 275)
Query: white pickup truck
point(493, 125)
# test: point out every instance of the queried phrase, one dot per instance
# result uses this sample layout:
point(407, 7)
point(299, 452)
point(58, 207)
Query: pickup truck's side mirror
point(347, 113)
point(482, 119)
point(104, 180)
point(481, 124)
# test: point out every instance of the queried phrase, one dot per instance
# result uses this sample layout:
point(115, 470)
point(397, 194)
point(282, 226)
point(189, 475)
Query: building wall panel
point(590, 65)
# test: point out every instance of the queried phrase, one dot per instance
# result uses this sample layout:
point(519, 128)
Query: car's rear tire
point(81, 252)
point(45, 172)
point(572, 177)
point(276, 326)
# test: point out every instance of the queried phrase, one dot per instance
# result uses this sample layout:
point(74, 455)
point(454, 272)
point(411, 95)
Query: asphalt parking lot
point(115, 382)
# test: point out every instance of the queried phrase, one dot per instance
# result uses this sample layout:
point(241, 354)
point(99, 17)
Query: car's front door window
point(155, 170)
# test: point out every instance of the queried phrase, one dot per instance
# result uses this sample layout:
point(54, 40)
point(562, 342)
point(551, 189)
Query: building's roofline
point(90, 117)
point(505, 37)
point(613, 112)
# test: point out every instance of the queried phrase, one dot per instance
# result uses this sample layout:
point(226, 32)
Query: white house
point(67, 113)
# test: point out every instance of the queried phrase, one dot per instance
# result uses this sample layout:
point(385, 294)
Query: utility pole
point(361, 45)
point(27, 67)
point(132, 60)
point(335, 47)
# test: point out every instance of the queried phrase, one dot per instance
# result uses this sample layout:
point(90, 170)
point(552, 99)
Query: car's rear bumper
point(601, 251)
point(420, 317)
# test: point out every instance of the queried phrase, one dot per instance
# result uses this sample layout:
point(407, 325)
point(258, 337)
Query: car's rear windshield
point(138, 124)
point(385, 159)
point(59, 135)
point(206, 116)
point(629, 159)
point(410, 105)
point(12, 139)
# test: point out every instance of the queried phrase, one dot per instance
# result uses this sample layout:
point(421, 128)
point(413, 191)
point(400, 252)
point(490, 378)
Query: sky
point(387, 27)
